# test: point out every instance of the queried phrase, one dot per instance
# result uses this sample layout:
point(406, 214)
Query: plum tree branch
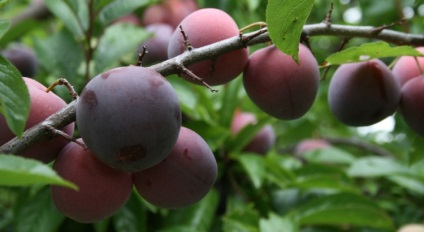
point(172, 66)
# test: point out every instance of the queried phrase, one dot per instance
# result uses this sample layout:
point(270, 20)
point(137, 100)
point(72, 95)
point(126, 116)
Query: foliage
point(341, 188)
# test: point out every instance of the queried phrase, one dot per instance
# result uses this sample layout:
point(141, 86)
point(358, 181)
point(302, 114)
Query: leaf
point(4, 26)
point(119, 8)
point(342, 209)
point(410, 183)
point(14, 97)
point(277, 223)
point(132, 217)
point(254, 166)
point(35, 213)
point(19, 30)
point(54, 54)
point(198, 216)
point(64, 12)
point(285, 20)
point(244, 218)
point(370, 51)
point(230, 101)
point(19, 171)
point(118, 40)
point(376, 167)
point(253, 5)
point(329, 155)
point(80, 8)
point(4, 2)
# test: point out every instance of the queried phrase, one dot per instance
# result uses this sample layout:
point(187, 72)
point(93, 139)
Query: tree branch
point(168, 67)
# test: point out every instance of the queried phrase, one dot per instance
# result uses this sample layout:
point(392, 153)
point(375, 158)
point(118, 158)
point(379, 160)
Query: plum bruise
point(183, 178)
point(363, 93)
point(129, 117)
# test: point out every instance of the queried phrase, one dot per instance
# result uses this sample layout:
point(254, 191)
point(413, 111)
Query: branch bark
point(168, 67)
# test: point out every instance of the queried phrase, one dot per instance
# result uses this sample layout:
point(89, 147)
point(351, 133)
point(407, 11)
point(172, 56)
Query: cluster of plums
point(364, 93)
point(130, 117)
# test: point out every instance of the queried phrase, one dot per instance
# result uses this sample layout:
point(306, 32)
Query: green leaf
point(4, 2)
point(14, 97)
point(118, 40)
point(35, 213)
point(253, 5)
point(54, 54)
point(277, 223)
point(19, 171)
point(342, 209)
point(244, 218)
point(285, 20)
point(4, 26)
point(132, 217)
point(80, 8)
point(410, 183)
point(230, 101)
point(64, 12)
point(19, 30)
point(376, 167)
point(198, 216)
point(119, 8)
point(254, 166)
point(329, 155)
point(370, 51)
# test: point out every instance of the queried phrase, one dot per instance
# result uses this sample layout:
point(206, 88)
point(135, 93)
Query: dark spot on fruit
point(177, 112)
point(148, 183)
point(132, 153)
point(89, 98)
point(186, 155)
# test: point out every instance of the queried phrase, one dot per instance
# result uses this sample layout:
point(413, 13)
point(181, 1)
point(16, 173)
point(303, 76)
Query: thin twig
point(63, 81)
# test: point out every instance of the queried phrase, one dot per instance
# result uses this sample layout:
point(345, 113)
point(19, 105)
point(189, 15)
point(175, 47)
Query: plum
point(42, 105)
point(278, 85)
point(411, 104)
point(170, 12)
point(363, 93)
point(309, 145)
point(23, 58)
point(129, 117)
point(157, 45)
point(407, 68)
point(183, 178)
point(204, 27)
point(102, 189)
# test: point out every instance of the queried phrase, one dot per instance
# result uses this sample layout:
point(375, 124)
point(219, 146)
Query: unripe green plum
point(278, 85)
point(102, 189)
point(183, 178)
point(407, 68)
point(363, 93)
point(170, 12)
point(262, 141)
point(129, 117)
point(23, 58)
point(204, 27)
point(412, 104)
point(42, 105)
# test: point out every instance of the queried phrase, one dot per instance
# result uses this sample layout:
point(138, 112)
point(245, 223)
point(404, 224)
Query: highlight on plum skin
point(183, 178)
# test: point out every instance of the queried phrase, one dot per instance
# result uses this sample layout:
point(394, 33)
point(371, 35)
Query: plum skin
point(278, 85)
point(406, 67)
point(42, 105)
point(309, 145)
point(170, 12)
point(102, 189)
point(157, 45)
point(411, 104)
point(262, 141)
point(363, 93)
point(135, 127)
point(183, 178)
point(204, 27)
point(23, 58)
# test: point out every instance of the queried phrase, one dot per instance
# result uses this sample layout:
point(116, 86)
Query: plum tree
point(204, 27)
point(363, 93)
point(102, 189)
point(262, 141)
point(170, 12)
point(129, 117)
point(23, 58)
point(309, 145)
point(278, 85)
point(412, 104)
point(42, 105)
point(407, 68)
point(157, 45)
point(183, 178)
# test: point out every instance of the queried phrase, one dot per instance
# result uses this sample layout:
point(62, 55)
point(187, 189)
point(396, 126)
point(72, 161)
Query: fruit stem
point(63, 81)
point(184, 70)
point(419, 66)
point(187, 43)
point(62, 134)
point(141, 56)
point(255, 24)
